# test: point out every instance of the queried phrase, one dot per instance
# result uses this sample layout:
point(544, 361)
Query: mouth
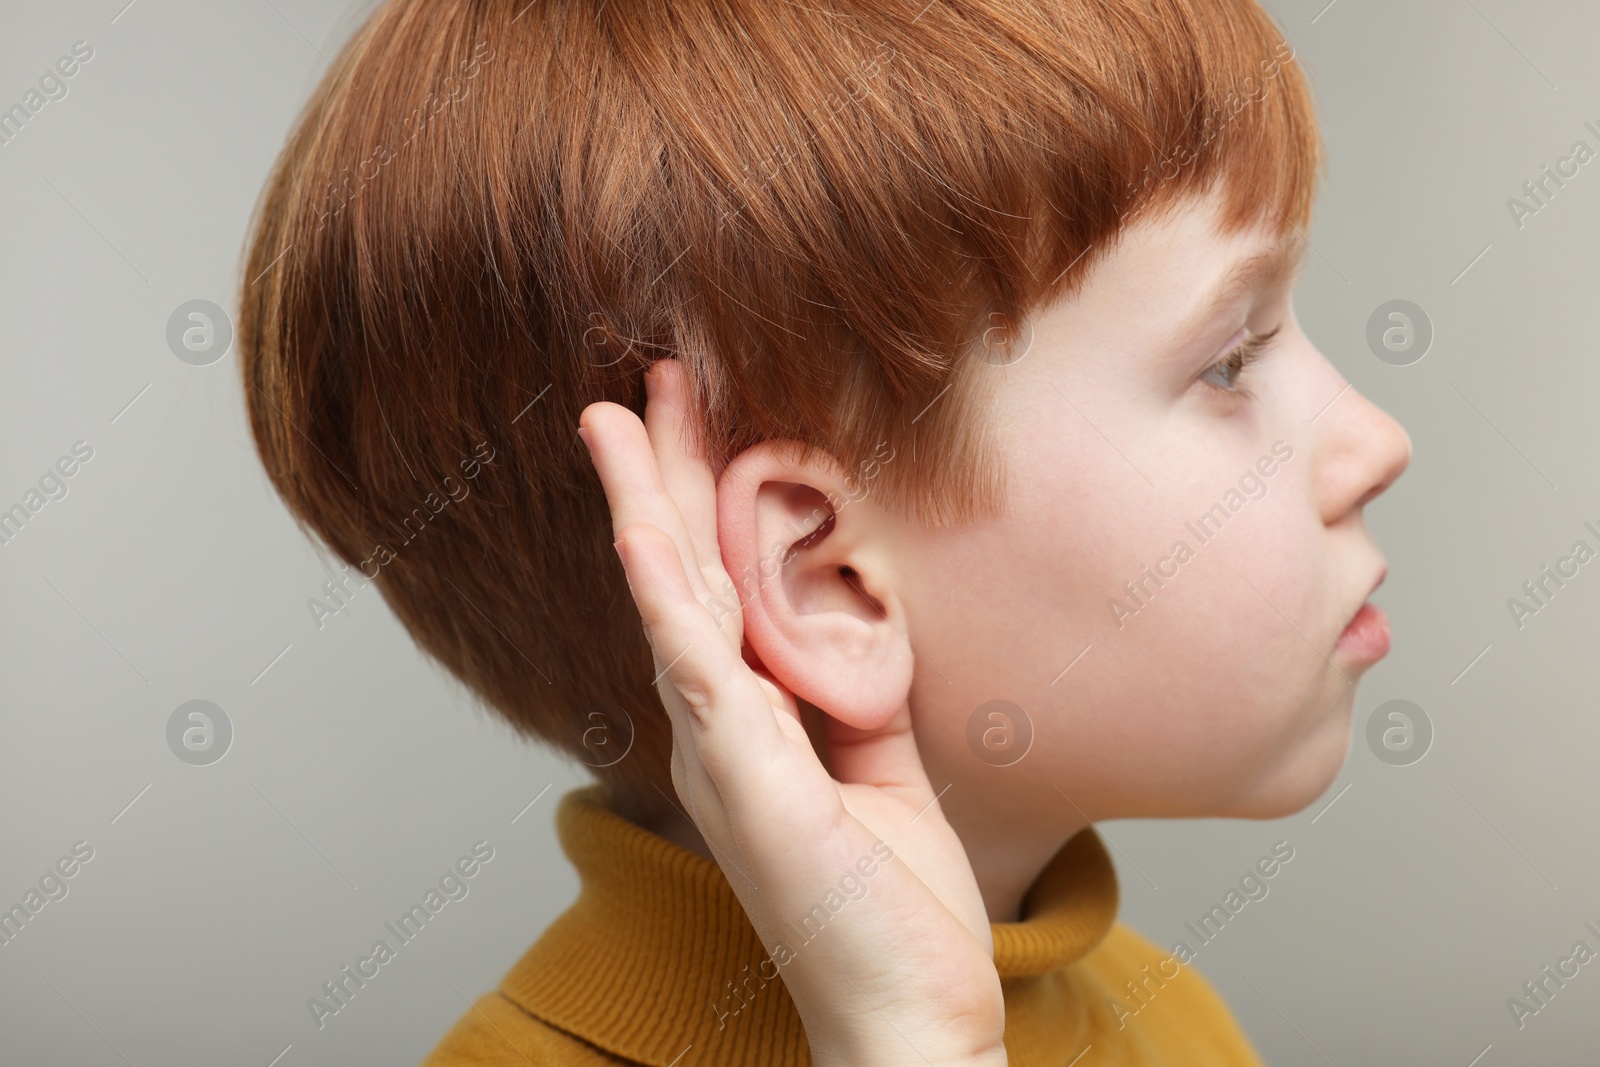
point(1365, 638)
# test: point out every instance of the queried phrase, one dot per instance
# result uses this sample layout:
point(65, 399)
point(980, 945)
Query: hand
point(902, 974)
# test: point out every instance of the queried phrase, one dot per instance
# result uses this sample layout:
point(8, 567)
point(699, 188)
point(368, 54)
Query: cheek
point(1192, 686)
point(1200, 678)
point(1020, 595)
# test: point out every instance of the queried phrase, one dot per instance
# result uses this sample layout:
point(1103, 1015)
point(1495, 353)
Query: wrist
point(987, 1059)
point(898, 1048)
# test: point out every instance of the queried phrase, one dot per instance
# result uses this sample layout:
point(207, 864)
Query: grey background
point(1420, 897)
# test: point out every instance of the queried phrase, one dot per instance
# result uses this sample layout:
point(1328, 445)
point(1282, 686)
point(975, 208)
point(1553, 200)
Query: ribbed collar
point(646, 961)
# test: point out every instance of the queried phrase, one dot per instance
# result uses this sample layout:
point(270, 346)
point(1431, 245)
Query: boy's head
point(1154, 624)
point(930, 270)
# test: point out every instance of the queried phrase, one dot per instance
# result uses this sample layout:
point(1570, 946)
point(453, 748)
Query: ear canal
point(848, 573)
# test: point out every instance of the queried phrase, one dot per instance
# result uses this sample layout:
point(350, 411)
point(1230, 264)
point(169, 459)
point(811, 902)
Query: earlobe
point(811, 562)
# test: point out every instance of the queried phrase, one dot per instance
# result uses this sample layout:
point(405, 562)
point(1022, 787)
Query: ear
point(813, 560)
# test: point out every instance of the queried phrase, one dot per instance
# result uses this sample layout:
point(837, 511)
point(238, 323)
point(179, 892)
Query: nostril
point(1374, 492)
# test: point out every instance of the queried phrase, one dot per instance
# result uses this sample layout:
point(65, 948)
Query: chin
point(1297, 778)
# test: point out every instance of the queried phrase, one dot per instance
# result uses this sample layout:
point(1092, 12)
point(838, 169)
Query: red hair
point(492, 213)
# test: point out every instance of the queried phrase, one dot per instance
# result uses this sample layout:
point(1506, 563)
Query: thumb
point(884, 756)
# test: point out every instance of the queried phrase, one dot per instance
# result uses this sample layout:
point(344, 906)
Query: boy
point(986, 488)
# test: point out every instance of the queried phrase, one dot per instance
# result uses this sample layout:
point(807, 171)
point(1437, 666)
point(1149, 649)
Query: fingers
point(681, 457)
point(623, 457)
point(722, 717)
point(886, 757)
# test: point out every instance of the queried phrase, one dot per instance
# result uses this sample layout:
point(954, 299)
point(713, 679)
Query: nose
point(1362, 450)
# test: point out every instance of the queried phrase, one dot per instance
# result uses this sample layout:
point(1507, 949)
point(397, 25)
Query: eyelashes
point(1232, 367)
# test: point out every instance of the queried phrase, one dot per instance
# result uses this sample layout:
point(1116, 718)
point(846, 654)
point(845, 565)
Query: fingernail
point(622, 551)
point(583, 432)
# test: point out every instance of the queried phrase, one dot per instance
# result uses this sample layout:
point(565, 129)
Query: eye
point(1223, 375)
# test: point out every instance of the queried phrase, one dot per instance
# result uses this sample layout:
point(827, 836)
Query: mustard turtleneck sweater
point(656, 963)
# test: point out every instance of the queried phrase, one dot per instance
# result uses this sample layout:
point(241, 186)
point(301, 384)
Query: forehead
point(1164, 269)
point(1182, 247)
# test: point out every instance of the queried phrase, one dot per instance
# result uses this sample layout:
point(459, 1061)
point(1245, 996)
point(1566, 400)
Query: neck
point(1005, 862)
point(1006, 853)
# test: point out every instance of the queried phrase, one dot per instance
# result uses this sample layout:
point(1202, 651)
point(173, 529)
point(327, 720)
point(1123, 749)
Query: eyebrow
point(1270, 266)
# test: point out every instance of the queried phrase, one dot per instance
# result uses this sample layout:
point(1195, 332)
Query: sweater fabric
point(657, 964)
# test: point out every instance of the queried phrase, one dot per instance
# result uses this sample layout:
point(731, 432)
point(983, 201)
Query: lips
point(1365, 637)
